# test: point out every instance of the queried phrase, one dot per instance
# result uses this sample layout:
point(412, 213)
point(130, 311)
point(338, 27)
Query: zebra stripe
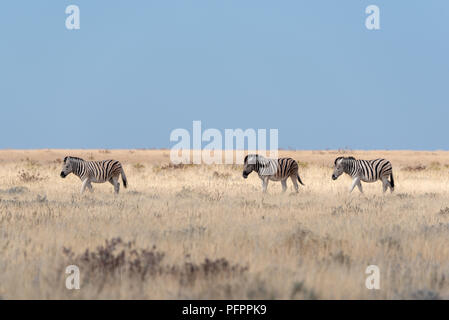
point(94, 171)
point(272, 169)
point(365, 170)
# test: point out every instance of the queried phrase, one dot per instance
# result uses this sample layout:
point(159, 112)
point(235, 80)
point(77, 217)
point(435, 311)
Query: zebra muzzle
point(63, 175)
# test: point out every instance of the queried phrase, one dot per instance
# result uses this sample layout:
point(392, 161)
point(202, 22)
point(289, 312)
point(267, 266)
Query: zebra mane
point(258, 159)
point(345, 158)
point(72, 158)
point(254, 156)
point(336, 160)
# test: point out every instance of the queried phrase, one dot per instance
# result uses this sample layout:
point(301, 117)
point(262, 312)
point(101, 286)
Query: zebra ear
point(246, 159)
point(335, 162)
point(65, 159)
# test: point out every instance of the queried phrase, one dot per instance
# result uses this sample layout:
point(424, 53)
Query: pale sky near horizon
point(136, 70)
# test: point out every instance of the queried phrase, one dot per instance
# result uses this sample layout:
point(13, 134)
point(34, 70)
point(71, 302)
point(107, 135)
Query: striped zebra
point(364, 170)
point(94, 171)
point(272, 169)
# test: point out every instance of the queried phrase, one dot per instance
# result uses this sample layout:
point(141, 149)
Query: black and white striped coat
point(94, 171)
point(364, 170)
point(272, 169)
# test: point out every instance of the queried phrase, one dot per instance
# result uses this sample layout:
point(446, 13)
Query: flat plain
point(204, 232)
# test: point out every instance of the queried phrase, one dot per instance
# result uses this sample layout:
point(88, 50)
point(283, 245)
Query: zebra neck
point(260, 165)
point(349, 167)
point(257, 166)
point(266, 167)
point(77, 168)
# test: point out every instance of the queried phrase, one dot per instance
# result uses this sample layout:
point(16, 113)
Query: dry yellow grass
point(315, 244)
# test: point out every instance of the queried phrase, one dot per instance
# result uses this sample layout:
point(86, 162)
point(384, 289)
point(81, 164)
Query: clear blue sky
point(136, 70)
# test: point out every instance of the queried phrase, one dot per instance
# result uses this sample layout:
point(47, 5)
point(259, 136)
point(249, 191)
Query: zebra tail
point(299, 179)
point(391, 179)
point(125, 181)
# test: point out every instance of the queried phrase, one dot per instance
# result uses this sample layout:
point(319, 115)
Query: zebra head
point(338, 168)
point(249, 165)
point(340, 165)
point(67, 166)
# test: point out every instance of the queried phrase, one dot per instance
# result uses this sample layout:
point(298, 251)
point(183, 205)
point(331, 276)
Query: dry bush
point(414, 168)
point(390, 243)
point(435, 165)
point(171, 166)
point(300, 290)
point(117, 259)
point(221, 175)
point(345, 151)
point(350, 208)
point(31, 164)
point(15, 190)
point(305, 241)
point(302, 164)
point(138, 166)
point(425, 295)
point(187, 192)
point(25, 176)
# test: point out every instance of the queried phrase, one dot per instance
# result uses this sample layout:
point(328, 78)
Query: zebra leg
point(359, 185)
point(355, 182)
point(385, 184)
point(294, 181)
point(89, 186)
point(85, 183)
point(116, 184)
point(284, 185)
point(264, 184)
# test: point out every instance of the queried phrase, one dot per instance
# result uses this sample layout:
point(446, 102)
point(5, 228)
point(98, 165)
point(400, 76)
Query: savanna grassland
point(203, 232)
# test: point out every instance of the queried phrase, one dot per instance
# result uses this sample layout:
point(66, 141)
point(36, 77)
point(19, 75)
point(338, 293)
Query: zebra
point(272, 169)
point(94, 171)
point(364, 170)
